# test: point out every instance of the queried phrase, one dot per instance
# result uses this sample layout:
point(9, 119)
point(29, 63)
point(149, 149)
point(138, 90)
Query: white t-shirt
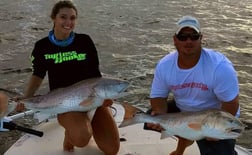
point(212, 80)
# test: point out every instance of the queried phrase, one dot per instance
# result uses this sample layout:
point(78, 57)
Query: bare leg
point(181, 146)
point(78, 129)
point(67, 145)
point(3, 104)
point(105, 131)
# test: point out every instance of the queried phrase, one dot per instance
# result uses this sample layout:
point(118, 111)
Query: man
point(199, 79)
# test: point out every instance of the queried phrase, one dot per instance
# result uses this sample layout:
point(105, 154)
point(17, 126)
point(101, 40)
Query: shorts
point(221, 147)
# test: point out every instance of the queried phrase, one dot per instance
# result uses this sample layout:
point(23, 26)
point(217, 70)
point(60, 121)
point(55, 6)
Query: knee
point(107, 149)
point(81, 137)
point(112, 150)
point(81, 140)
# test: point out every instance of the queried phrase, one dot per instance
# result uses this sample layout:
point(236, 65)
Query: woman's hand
point(20, 106)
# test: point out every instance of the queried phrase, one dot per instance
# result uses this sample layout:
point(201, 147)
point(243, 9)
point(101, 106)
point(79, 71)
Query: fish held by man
point(193, 125)
point(82, 96)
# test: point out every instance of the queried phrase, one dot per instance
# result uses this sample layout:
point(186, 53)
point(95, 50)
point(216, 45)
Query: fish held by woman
point(82, 96)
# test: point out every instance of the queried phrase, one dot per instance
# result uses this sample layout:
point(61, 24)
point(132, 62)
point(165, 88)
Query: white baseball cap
point(188, 21)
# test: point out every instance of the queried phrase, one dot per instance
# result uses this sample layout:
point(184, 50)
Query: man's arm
point(231, 106)
point(158, 105)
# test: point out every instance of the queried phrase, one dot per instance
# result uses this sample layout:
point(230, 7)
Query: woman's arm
point(33, 85)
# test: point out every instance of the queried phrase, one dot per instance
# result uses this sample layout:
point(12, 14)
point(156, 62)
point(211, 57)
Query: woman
point(68, 58)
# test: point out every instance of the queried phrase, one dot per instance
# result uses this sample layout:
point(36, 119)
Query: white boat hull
point(138, 142)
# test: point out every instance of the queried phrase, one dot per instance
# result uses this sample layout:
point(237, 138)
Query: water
point(131, 36)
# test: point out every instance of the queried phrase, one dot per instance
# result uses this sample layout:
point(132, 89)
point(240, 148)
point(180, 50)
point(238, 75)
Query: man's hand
point(156, 127)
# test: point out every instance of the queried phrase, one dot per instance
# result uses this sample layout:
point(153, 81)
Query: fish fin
point(41, 117)
point(164, 135)
point(87, 102)
point(195, 126)
point(98, 102)
point(130, 110)
point(123, 94)
point(131, 121)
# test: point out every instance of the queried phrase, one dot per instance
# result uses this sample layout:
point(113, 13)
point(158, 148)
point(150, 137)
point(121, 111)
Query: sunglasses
point(184, 36)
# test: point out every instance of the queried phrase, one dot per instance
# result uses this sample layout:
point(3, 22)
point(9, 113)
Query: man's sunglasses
point(184, 36)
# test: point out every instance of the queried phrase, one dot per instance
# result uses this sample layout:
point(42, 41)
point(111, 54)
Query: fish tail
point(138, 118)
point(131, 121)
point(133, 115)
point(130, 110)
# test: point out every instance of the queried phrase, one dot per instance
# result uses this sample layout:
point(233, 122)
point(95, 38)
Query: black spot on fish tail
point(236, 130)
point(248, 125)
